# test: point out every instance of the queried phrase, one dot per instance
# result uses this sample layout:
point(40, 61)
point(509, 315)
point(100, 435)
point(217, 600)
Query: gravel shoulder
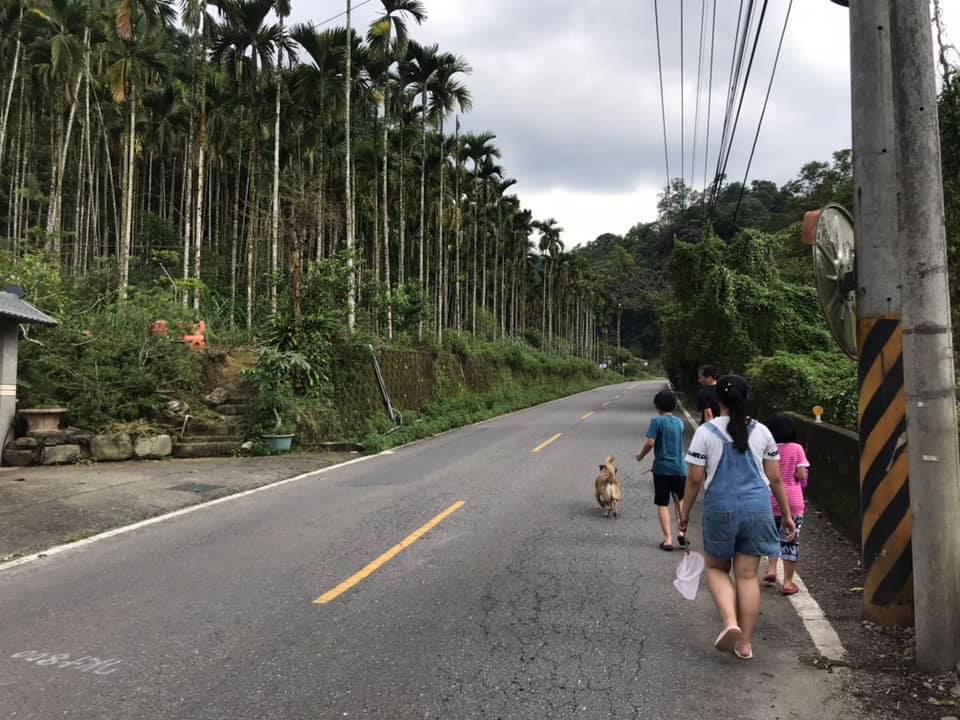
point(882, 675)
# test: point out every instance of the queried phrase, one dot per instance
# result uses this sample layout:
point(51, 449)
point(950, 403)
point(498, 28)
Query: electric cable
point(730, 95)
point(763, 112)
point(683, 116)
point(743, 93)
point(663, 110)
point(696, 114)
point(706, 151)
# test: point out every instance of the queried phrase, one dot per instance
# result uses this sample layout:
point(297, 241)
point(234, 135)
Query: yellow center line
point(587, 415)
point(542, 445)
point(606, 403)
point(387, 556)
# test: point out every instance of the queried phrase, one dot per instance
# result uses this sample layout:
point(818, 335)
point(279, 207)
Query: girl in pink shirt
point(795, 471)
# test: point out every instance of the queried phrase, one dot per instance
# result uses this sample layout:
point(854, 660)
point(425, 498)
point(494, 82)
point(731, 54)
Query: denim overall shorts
point(737, 515)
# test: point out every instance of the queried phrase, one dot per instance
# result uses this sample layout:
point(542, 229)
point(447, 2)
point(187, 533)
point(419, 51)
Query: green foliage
point(730, 305)
point(275, 379)
point(105, 366)
point(524, 378)
point(788, 381)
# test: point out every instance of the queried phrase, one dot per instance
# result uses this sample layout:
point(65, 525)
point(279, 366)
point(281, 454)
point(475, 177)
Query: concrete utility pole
point(927, 340)
point(884, 486)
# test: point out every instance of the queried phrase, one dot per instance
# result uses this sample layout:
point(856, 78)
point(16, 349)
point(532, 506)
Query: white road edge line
point(693, 423)
point(57, 549)
point(814, 620)
point(817, 625)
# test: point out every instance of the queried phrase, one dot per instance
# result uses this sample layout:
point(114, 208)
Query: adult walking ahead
point(736, 460)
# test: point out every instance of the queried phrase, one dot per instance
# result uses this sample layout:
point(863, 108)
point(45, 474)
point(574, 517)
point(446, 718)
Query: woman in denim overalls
point(738, 525)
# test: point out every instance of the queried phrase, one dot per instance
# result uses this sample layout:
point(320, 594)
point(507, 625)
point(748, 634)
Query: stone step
point(206, 449)
point(193, 439)
point(226, 425)
point(232, 409)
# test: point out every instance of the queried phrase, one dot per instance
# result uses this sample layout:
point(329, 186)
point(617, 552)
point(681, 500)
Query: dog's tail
point(610, 466)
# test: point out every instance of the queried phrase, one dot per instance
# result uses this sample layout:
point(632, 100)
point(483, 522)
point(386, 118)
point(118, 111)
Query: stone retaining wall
point(834, 455)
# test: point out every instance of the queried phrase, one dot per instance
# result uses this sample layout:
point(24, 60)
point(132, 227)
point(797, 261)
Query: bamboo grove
point(211, 146)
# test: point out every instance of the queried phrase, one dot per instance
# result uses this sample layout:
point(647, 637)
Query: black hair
point(732, 394)
point(665, 401)
point(710, 371)
point(782, 427)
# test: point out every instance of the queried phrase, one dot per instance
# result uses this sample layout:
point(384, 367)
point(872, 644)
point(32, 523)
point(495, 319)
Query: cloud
point(572, 92)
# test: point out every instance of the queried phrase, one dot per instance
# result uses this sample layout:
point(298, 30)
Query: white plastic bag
point(688, 575)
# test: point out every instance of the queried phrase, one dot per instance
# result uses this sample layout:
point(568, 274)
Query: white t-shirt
point(706, 448)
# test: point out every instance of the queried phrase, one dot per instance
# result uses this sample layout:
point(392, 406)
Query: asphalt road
point(522, 603)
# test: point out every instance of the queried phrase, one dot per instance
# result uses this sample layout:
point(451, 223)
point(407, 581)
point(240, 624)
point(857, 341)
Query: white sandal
point(727, 640)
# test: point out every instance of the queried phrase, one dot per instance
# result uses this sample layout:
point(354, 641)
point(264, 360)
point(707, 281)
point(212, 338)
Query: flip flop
point(666, 546)
point(769, 579)
point(791, 589)
point(741, 655)
point(682, 540)
point(727, 640)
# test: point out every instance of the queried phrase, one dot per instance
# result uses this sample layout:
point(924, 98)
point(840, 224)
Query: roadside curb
point(124, 529)
point(173, 514)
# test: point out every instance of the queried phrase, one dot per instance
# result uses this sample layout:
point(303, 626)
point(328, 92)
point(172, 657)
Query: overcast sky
point(571, 90)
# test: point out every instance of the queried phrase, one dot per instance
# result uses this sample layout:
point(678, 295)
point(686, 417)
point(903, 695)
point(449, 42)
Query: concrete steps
point(206, 447)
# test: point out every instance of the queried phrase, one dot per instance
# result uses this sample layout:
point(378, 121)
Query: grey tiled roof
point(23, 312)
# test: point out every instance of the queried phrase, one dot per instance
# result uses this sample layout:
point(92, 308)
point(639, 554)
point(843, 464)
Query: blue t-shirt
point(667, 430)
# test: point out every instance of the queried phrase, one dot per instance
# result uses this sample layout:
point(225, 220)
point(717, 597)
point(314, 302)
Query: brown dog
point(608, 488)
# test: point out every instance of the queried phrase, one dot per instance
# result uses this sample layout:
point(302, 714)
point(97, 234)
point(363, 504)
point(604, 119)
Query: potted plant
point(274, 399)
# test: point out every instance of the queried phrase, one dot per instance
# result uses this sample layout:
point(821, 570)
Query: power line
point(763, 112)
point(683, 116)
point(341, 14)
point(737, 41)
point(706, 151)
point(663, 110)
point(696, 114)
point(743, 94)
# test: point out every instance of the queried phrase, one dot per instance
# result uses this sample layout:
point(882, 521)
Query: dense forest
point(208, 149)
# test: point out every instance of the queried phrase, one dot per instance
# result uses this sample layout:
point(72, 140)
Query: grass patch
point(470, 408)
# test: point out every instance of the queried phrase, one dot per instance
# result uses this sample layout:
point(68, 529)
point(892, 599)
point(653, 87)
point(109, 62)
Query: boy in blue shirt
point(665, 438)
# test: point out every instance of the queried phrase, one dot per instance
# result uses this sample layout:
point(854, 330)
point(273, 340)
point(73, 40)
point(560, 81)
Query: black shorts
point(666, 485)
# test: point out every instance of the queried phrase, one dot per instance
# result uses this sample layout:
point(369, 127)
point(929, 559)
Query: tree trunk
point(252, 235)
point(235, 237)
point(124, 261)
point(187, 213)
point(402, 258)
point(423, 196)
point(442, 249)
point(201, 161)
point(386, 211)
point(275, 206)
point(457, 314)
point(13, 82)
point(352, 280)
point(473, 302)
point(295, 275)
point(54, 220)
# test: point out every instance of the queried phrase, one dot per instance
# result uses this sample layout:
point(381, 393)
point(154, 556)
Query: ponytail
point(732, 393)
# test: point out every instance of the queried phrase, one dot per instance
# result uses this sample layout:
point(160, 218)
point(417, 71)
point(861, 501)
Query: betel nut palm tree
point(388, 39)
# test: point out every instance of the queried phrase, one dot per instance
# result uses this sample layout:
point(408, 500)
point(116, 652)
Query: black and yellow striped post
point(884, 481)
point(884, 477)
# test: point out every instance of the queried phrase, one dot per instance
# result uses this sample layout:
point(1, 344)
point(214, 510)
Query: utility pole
point(884, 481)
point(927, 341)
